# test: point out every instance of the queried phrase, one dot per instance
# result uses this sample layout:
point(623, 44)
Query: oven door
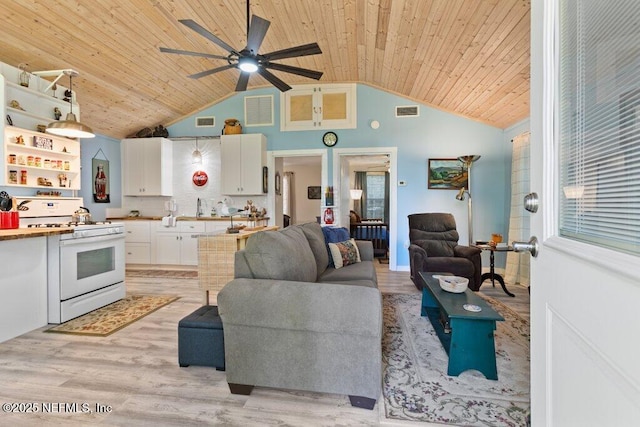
point(91, 263)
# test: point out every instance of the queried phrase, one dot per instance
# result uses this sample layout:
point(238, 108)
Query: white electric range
point(86, 268)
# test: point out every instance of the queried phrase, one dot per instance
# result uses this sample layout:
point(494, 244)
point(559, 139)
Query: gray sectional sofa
point(292, 322)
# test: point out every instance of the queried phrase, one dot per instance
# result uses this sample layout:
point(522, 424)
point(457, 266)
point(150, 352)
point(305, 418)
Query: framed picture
point(265, 179)
point(447, 174)
point(101, 190)
point(314, 192)
point(278, 185)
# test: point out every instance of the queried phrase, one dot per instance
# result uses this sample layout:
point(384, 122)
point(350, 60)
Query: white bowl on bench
point(453, 284)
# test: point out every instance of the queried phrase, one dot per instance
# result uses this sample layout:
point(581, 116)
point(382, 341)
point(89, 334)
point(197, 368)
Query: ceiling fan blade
point(243, 80)
point(187, 52)
point(212, 71)
point(312, 74)
point(302, 50)
point(257, 31)
point(273, 79)
point(207, 34)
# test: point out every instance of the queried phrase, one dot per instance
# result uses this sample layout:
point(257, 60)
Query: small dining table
point(492, 274)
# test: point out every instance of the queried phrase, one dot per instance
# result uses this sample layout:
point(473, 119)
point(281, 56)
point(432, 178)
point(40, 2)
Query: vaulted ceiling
point(468, 57)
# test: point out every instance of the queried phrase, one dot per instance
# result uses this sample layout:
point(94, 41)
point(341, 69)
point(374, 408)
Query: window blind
point(599, 122)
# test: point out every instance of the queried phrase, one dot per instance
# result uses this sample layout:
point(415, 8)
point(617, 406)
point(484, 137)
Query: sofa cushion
point(284, 255)
point(334, 235)
point(344, 253)
point(315, 237)
point(362, 273)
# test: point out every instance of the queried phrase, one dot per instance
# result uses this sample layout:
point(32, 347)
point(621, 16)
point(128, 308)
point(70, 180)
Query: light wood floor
point(135, 372)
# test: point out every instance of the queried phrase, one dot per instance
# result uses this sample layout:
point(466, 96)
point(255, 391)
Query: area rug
point(113, 317)
point(416, 386)
point(162, 274)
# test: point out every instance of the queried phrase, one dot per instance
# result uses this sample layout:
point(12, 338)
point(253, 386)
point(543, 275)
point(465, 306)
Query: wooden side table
point(492, 274)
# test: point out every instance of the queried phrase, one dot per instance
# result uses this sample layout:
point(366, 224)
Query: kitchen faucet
point(198, 208)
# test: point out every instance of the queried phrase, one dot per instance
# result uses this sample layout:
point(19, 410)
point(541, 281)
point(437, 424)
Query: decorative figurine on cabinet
point(57, 113)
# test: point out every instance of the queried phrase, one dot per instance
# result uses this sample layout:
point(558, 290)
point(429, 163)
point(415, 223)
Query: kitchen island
point(24, 233)
point(23, 285)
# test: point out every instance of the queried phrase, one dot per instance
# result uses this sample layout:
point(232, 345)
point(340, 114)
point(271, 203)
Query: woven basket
point(232, 127)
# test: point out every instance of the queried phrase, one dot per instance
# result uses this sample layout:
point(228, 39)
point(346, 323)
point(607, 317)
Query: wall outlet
point(402, 183)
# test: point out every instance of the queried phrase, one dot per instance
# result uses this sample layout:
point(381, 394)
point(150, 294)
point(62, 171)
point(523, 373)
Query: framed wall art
point(314, 192)
point(447, 174)
point(278, 184)
point(100, 171)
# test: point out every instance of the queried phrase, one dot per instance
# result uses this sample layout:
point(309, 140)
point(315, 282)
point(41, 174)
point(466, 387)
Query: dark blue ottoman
point(201, 339)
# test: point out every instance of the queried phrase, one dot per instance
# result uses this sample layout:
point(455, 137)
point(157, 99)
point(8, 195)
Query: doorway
point(295, 172)
point(372, 161)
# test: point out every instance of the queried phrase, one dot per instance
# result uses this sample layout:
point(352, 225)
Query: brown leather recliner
point(434, 247)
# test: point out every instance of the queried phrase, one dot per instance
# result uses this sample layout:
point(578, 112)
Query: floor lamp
point(467, 161)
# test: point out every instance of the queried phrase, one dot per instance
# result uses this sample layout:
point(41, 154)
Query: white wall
point(305, 175)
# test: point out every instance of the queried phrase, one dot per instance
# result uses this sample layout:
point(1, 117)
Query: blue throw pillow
point(334, 235)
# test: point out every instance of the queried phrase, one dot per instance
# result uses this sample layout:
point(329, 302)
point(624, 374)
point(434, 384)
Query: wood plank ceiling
point(469, 57)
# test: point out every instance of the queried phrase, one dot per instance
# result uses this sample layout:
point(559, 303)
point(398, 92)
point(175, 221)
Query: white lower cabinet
point(178, 245)
point(23, 286)
point(137, 242)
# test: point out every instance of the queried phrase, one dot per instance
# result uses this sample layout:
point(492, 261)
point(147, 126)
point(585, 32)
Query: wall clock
point(330, 139)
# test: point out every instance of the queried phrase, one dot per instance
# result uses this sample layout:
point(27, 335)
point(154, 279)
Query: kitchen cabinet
point(179, 244)
point(31, 158)
point(243, 158)
point(23, 286)
point(137, 242)
point(315, 107)
point(147, 165)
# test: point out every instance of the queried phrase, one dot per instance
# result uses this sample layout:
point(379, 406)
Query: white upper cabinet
point(243, 158)
point(312, 107)
point(147, 165)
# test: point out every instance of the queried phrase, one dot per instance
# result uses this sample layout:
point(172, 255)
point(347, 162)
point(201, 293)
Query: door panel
point(584, 298)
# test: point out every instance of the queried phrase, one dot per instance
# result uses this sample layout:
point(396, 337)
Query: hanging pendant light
point(196, 156)
point(70, 126)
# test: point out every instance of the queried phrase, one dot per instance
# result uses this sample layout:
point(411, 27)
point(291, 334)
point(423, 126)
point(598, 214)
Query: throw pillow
point(344, 253)
point(334, 235)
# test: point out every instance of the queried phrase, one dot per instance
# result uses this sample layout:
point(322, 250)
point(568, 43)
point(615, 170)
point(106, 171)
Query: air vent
point(258, 110)
point(205, 122)
point(408, 111)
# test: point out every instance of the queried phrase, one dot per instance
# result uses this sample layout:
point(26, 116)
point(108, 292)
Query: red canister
point(23, 177)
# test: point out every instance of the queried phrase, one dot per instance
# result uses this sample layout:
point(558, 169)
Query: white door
point(585, 299)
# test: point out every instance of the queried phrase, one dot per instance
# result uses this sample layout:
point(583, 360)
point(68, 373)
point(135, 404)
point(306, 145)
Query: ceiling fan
point(248, 60)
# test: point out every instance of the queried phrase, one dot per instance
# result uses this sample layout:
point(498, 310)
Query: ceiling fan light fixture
point(248, 65)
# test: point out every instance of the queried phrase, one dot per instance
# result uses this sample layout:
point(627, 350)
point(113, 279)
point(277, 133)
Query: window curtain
point(517, 269)
point(288, 196)
point(386, 198)
point(360, 183)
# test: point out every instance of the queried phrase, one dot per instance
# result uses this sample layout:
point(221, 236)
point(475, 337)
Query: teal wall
point(434, 134)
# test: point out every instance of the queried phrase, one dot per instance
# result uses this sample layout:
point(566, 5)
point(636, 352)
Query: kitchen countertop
point(184, 218)
point(22, 233)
